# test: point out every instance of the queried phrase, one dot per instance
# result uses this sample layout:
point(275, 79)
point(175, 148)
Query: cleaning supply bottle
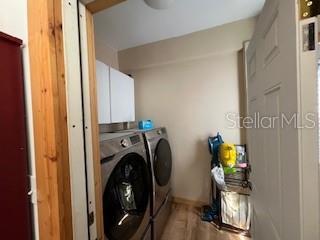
point(228, 154)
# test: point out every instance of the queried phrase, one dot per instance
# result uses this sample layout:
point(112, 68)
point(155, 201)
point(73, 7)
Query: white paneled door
point(285, 170)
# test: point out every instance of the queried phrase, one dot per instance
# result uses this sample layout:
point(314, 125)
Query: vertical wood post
point(50, 119)
point(95, 124)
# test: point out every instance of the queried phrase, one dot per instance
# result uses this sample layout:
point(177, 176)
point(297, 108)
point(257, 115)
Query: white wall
point(217, 40)
point(188, 84)
point(105, 53)
point(13, 21)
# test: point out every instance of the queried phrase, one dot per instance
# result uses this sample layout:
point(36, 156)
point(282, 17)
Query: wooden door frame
point(94, 124)
point(47, 70)
point(92, 8)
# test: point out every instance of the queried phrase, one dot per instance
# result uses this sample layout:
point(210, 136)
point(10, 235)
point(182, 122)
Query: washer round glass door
point(126, 197)
point(162, 163)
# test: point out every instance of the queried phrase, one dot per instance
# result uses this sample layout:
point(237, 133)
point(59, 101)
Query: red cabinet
point(14, 184)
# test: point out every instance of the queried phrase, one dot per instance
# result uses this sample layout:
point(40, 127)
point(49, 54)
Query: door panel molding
point(252, 67)
point(274, 167)
point(272, 89)
point(271, 42)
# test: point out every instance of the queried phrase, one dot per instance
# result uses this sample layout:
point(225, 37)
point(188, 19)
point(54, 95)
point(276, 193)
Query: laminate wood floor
point(185, 224)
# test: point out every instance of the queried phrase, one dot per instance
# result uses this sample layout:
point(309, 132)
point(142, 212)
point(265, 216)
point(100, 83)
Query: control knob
point(124, 143)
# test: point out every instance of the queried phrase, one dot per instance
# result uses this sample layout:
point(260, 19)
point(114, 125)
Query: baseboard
point(188, 202)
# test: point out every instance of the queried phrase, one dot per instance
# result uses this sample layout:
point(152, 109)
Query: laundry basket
point(236, 209)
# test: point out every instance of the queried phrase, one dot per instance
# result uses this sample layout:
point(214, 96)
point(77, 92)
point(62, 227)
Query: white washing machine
point(126, 184)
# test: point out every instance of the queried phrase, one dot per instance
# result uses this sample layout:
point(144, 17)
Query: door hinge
point(309, 8)
point(33, 190)
point(91, 218)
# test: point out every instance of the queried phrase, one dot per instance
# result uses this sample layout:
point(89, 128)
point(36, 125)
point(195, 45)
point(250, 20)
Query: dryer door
point(126, 197)
point(162, 163)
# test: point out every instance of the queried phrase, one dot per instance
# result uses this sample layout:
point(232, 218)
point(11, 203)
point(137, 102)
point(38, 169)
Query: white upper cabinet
point(103, 91)
point(122, 97)
point(115, 95)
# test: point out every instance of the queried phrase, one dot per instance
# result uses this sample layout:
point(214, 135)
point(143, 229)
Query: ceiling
point(132, 23)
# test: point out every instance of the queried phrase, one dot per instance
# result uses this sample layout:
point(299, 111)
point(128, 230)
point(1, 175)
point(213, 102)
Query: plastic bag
point(217, 174)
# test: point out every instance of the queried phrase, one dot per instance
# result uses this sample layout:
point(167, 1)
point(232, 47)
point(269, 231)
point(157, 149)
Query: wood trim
point(95, 124)
point(99, 5)
point(50, 119)
point(92, 8)
point(188, 202)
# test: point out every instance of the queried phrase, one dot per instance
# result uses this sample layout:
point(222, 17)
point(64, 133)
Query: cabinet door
point(103, 91)
point(122, 97)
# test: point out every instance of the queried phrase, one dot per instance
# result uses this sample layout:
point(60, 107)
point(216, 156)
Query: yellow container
point(228, 154)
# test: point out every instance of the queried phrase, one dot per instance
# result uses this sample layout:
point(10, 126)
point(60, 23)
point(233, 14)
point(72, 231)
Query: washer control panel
point(130, 141)
point(113, 143)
